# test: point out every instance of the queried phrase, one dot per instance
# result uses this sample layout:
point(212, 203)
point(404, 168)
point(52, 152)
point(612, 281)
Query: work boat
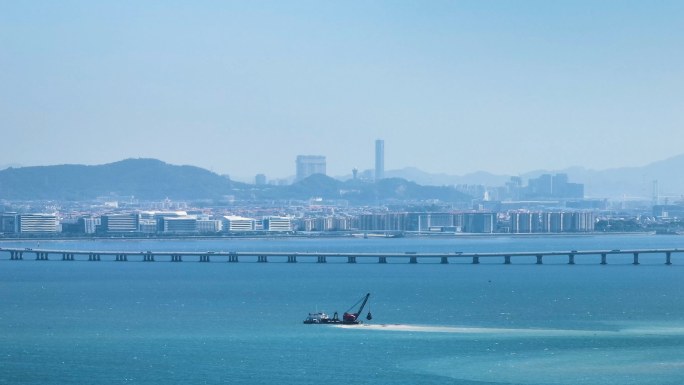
point(349, 318)
point(321, 318)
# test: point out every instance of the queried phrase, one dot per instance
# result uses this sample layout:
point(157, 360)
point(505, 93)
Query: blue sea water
point(193, 323)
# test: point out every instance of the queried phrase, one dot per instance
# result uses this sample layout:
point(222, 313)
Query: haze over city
point(452, 87)
point(374, 192)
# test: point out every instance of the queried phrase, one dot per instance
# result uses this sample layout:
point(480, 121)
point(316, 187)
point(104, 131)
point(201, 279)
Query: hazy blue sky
point(244, 87)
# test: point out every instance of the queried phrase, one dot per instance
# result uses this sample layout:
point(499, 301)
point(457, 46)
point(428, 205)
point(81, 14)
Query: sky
point(244, 87)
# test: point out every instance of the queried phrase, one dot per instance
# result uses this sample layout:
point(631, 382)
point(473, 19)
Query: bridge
point(17, 254)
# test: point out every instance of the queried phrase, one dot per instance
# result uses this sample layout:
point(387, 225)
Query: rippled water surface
point(64, 322)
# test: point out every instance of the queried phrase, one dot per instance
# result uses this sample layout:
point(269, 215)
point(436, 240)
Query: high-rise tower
point(308, 165)
point(379, 159)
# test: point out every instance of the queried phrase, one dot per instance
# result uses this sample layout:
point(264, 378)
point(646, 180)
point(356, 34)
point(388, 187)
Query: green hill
point(147, 179)
point(151, 179)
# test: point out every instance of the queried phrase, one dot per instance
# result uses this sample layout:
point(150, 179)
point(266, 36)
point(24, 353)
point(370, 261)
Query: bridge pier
point(507, 259)
point(539, 260)
point(382, 259)
point(476, 260)
point(42, 257)
point(603, 259)
point(204, 258)
point(11, 255)
point(445, 260)
point(174, 258)
point(292, 259)
point(571, 259)
point(413, 260)
point(16, 255)
point(668, 258)
point(636, 259)
point(262, 258)
point(232, 258)
point(351, 259)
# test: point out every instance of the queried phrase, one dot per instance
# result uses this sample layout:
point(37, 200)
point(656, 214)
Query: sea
point(107, 322)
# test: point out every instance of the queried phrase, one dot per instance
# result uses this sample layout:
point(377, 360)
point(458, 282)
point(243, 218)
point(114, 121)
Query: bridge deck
point(381, 256)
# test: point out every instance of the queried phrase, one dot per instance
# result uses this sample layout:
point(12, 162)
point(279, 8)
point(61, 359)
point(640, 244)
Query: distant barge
point(347, 318)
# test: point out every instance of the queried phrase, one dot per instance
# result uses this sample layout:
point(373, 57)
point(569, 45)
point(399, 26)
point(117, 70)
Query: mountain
point(609, 183)
point(427, 179)
point(148, 179)
point(360, 192)
point(627, 181)
point(8, 165)
point(151, 179)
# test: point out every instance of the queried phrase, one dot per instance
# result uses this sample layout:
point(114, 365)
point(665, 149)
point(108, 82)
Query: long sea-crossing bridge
point(602, 256)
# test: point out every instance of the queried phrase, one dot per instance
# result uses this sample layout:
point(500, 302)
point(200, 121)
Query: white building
point(183, 224)
point(209, 225)
point(235, 223)
point(277, 224)
point(120, 223)
point(36, 223)
point(90, 224)
point(148, 226)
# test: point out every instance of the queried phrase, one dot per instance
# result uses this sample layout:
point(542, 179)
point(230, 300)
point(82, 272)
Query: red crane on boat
point(352, 318)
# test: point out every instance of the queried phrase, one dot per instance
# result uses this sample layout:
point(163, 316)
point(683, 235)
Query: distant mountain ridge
point(151, 179)
point(8, 165)
point(609, 183)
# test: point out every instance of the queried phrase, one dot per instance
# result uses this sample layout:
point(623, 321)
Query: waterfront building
point(36, 223)
point(236, 223)
point(555, 222)
point(169, 214)
point(69, 226)
point(8, 223)
point(277, 224)
point(567, 222)
point(186, 224)
point(209, 226)
point(522, 222)
point(583, 221)
point(545, 226)
point(379, 159)
point(535, 222)
point(147, 226)
point(479, 222)
point(89, 225)
point(308, 165)
point(120, 223)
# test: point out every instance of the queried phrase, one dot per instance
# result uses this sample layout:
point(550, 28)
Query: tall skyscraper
point(260, 179)
point(308, 165)
point(379, 159)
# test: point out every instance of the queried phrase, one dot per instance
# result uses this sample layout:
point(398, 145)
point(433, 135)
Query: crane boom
point(352, 317)
point(363, 304)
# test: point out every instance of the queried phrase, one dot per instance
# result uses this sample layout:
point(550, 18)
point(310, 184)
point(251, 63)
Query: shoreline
point(331, 236)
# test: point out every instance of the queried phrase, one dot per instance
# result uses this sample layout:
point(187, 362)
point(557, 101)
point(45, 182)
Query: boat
point(321, 318)
point(347, 318)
